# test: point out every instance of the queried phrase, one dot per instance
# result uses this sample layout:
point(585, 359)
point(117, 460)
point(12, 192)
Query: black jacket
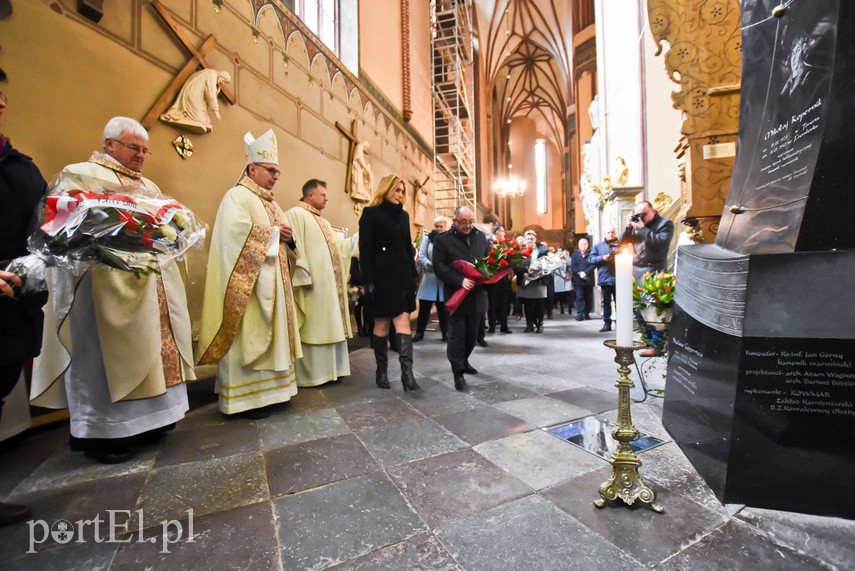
point(21, 189)
point(580, 263)
point(387, 258)
point(655, 239)
point(450, 246)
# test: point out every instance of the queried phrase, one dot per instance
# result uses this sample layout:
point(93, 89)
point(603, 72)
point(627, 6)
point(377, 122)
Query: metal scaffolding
point(453, 94)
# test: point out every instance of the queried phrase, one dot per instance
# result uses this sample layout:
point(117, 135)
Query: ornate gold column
point(705, 60)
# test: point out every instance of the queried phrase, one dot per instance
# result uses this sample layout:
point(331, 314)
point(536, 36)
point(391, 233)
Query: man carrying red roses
point(462, 242)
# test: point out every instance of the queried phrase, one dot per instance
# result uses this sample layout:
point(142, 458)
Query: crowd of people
point(548, 278)
point(115, 347)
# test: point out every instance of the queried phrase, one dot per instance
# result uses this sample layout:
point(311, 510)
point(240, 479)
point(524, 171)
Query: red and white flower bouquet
point(129, 228)
point(502, 257)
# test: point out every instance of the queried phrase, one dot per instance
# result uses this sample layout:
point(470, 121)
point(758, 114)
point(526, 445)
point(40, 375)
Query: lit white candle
point(623, 297)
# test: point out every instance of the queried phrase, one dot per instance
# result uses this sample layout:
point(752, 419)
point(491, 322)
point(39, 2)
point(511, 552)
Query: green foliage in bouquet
point(502, 256)
point(655, 290)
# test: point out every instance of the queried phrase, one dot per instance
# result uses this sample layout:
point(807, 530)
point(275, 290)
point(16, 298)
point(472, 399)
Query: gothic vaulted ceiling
point(525, 50)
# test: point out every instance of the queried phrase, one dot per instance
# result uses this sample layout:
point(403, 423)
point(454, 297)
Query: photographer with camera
point(603, 256)
point(651, 235)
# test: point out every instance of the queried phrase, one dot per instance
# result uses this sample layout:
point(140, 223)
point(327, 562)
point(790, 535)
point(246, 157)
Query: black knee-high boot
point(405, 346)
point(381, 356)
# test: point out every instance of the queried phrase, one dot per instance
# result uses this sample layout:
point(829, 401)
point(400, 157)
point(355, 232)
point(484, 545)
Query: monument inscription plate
point(699, 397)
point(793, 424)
point(766, 413)
point(789, 189)
point(761, 378)
point(806, 383)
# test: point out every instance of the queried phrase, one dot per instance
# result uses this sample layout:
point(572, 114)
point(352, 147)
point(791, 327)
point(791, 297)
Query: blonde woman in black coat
point(387, 261)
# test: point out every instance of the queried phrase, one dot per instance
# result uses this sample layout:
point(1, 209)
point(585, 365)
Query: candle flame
point(624, 250)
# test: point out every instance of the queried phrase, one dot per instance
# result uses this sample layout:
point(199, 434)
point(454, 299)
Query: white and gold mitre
point(261, 150)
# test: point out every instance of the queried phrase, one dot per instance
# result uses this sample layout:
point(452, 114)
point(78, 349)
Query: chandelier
point(511, 187)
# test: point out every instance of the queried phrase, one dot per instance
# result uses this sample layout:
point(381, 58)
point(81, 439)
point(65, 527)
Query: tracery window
point(322, 17)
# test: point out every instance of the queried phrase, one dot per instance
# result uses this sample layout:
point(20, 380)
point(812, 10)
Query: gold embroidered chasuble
point(143, 322)
point(322, 262)
point(248, 300)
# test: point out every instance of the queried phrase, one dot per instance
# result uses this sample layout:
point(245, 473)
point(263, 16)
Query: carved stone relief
point(198, 97)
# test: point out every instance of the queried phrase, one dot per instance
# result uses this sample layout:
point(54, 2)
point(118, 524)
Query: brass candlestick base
point(625, 483)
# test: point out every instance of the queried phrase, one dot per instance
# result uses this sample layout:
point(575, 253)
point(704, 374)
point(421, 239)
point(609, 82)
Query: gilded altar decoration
point(595, 193)
point(662, 201)
point(698, 227)
point(705, 60)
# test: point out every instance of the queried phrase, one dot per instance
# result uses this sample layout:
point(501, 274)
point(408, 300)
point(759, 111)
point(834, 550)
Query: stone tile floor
point(348, 476)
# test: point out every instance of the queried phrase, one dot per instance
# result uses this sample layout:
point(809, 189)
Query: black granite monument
point(761, 379)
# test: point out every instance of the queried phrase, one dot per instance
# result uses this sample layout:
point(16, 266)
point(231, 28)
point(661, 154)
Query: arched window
point(540, 175)
point(336, 23)
point(321, 17)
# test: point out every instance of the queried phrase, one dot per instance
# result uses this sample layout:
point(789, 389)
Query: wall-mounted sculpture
point(361, 175)
point(183, 146)
point(420, 203)
point(359, 180)
point(197, 97)
point(197, 59)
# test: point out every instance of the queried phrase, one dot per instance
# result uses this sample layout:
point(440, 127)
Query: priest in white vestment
point(117, 347)
point(248, 322)
point(319, 278)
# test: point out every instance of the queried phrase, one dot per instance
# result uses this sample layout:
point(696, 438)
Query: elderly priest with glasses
point(117, 345)
point(248, 317)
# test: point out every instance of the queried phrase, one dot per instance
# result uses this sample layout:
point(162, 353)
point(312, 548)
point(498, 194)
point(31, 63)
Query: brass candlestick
point(625, 483)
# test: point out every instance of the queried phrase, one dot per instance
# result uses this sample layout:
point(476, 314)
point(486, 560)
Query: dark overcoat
point(454, 245)
point(21, 189)
point(387, 260)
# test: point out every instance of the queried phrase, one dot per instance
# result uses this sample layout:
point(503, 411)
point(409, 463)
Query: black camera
point(636, 217)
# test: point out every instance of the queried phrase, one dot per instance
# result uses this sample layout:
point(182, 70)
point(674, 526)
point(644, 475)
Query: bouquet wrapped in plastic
point(501, 258)
point(544, 266)
point(30, 270)
point(129, 228)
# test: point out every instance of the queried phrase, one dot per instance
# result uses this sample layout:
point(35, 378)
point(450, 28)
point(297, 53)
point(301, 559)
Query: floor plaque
point(594, 434)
